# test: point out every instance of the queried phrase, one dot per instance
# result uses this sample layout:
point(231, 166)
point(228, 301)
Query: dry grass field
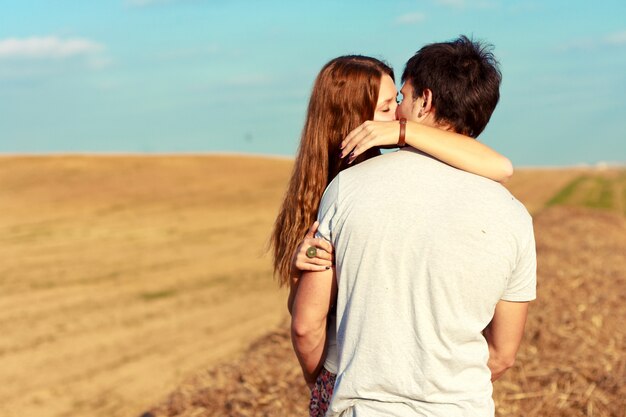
point(137, 286)
point(122, 276)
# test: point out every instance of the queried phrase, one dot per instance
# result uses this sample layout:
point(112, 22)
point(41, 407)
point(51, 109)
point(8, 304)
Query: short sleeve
point(327, 211)
point(522, 285)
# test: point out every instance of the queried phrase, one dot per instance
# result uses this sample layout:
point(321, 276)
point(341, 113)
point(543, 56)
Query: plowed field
point(133, 285)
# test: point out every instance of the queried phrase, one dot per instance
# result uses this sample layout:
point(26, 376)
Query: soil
point(572, 361)
point(123, 276)
point(135, 285)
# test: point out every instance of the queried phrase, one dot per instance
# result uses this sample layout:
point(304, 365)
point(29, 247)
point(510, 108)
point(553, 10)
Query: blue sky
point(235, 75)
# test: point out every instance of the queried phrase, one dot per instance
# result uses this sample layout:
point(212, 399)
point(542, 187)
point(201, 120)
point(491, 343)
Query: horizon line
point(596, 165)
point(143, 154)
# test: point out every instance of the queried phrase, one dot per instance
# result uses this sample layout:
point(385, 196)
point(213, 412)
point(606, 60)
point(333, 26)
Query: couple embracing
point(413, 295)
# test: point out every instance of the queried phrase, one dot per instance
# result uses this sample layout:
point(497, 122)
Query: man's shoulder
point(395, 160)
point(411, 169)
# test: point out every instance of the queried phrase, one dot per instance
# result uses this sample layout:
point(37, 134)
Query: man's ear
point(427, 104)
point(423, 105)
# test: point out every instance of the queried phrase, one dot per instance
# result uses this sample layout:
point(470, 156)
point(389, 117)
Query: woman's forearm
point(459, 151)
point(309, 344)
point(315, 295)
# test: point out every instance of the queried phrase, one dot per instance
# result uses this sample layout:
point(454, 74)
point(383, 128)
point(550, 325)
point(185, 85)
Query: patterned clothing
point(321, 393)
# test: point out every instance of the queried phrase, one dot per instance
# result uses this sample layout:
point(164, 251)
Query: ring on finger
point(311, 252)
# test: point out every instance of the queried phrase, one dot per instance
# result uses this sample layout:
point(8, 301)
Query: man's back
point(423, 252)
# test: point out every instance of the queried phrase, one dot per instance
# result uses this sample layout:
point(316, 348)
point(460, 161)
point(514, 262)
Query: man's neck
point(431, 123)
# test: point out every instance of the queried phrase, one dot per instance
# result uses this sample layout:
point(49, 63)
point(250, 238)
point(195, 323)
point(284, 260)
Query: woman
point(351, 114)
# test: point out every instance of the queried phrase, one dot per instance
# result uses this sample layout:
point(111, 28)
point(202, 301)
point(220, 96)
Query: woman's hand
point(300, 262)
point(370, 134)
point(323, 259)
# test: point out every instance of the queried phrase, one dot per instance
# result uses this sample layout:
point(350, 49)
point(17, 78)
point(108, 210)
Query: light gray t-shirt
point(423, 253)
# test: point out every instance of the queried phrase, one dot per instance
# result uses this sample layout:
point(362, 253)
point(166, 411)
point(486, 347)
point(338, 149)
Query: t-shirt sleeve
point(327, 211)
point(522, 285)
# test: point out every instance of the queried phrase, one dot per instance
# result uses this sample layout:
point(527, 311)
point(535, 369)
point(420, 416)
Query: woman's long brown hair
point(344, 96)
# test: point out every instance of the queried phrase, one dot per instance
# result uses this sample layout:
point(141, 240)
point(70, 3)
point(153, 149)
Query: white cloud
point(617, 38)
point(49, 47)
point(46, 56)
point(410, 18)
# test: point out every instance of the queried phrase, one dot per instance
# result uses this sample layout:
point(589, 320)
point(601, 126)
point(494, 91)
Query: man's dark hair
point(464, 78)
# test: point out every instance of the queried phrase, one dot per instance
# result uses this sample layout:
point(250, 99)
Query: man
point(434, 266)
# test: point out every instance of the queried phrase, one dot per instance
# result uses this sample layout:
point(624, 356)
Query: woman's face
point(386, 106)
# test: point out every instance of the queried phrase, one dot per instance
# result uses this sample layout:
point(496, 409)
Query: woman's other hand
point(324, 257)
point(370, 134)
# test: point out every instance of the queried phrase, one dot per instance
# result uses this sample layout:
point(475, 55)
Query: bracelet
point(401, 141)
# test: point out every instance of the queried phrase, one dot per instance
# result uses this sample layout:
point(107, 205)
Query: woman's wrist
point(402, 134)
point(413, 134)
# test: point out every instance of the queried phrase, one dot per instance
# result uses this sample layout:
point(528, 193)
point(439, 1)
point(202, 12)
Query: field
point(137, 286)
